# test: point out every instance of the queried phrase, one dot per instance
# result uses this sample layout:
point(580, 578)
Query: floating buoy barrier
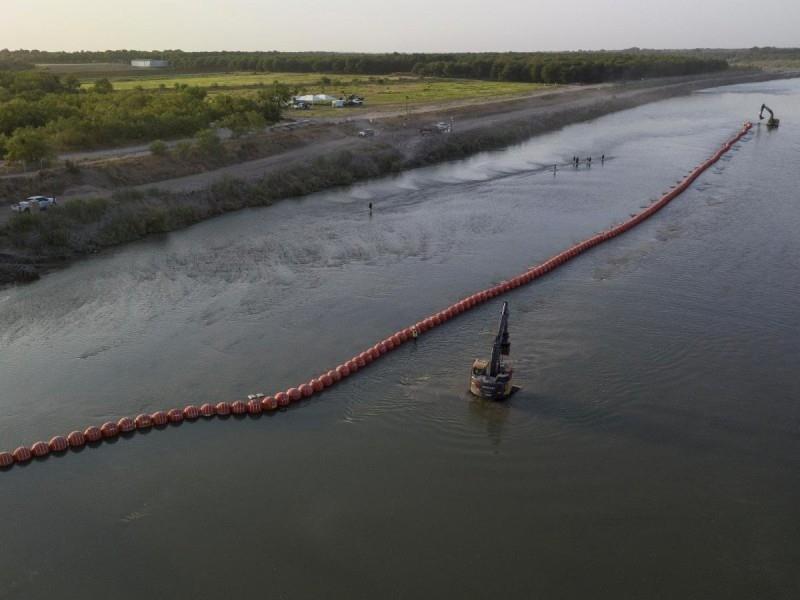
point(258, 403)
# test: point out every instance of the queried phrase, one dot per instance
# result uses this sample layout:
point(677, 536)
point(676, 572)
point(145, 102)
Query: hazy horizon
point(413, 26)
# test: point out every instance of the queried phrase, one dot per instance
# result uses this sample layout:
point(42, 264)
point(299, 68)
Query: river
point(652, 452)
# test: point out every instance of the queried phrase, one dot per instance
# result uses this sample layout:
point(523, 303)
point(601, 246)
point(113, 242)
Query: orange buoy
point(269, 403)
point(294, 394)
point(282, 399)
point(343, 371)
point(352, 365)
point(223, 408)
point(254, 406)
point(40, 449)
point(208, 410)
point(76, 439)
point(58, 444)
point(21, 454)
point(327, 380)
point(306, 391)
point(191, 412)
point(126, 425)
point(6, 460)
point(238, 407)
point(92, 434)
point(159, 418)
point(143, 421)
point(109, 429)
point(334, 375)
point(317, 385)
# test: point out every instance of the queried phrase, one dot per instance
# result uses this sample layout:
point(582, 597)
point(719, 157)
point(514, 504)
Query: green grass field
point(156, 79)
point(788, 64)
point(379, 91)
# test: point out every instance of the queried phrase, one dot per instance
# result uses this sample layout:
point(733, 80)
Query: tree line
point(537, 67)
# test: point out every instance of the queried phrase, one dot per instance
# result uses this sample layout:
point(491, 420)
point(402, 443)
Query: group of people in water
point(576, 161)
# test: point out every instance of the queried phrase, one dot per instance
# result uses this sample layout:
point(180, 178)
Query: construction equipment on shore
point(772, 122)
point(492, 379)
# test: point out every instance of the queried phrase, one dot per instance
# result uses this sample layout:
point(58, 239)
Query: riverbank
point(37, 243)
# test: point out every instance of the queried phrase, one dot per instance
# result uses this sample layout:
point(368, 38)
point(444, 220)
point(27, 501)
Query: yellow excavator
point(772, 122)
point(491, 379)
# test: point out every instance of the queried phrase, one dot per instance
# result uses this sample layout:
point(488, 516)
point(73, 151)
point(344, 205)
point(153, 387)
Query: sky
point(402, 26)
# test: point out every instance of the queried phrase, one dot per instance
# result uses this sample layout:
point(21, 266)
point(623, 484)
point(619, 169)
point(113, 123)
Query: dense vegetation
point(41, 113)
point(538, 67)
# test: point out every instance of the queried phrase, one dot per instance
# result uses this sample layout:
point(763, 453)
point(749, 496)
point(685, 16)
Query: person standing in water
point(370, 209)
point(603, 159)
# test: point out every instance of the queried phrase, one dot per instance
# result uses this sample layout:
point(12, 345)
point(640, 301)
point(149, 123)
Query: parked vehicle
point(34, 203)
point(366, 133)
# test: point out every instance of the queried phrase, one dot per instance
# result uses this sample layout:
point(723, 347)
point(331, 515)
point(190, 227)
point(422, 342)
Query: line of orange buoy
point(259, 403)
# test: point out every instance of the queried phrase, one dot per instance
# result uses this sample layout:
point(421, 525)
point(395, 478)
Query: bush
point(28, 145)
point(84, 211)
point(208, 144)
point(103, 86)
point(182, 150)
point(158, 148)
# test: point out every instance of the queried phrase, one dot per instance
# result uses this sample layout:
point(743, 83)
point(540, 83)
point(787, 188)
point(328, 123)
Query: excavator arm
point(502, 345)
point(764, 107)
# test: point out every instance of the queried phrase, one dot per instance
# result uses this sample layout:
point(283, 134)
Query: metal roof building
point(149, 63)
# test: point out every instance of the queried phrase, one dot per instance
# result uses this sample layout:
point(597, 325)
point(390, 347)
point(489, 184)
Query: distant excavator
point(772, 122)
point(491, 379)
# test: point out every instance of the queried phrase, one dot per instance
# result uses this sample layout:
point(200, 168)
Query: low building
point(315, 99)
point(149, 63)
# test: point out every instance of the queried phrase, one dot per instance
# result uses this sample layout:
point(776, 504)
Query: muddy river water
point(653, 451)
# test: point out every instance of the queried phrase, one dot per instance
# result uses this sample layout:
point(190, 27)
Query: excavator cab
point(479, 367)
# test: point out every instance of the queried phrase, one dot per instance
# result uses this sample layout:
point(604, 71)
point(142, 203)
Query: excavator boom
point(502, 345)
point(491, 379)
